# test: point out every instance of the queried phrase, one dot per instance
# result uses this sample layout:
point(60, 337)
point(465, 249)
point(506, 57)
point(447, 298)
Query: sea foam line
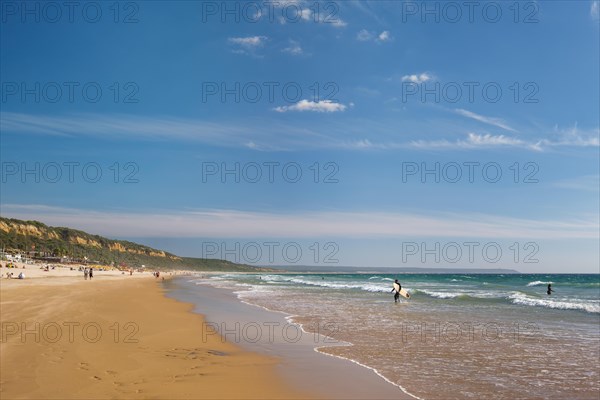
point(290, 319)
point(539, 283)
point(521, 299)
point(370, 368)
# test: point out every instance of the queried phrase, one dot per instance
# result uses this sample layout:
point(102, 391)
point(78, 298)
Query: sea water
point(458, 336)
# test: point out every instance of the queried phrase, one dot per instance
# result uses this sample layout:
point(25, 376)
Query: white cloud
point(294, 48)
point(215, 223)
point(417, 78)
point(306, 14)
point(492, 140)
point(362, 144)
point(247, 45)
point(573, 137)
point(595, 10)
point(384, 36)
point(366, 36)
point(336, 23)
point(249, 42)
point(327, 106)
point(471, 142)
point(474, 141)
point(486, 120)
point(278, 135)
point(300, 10)
point(252, 145)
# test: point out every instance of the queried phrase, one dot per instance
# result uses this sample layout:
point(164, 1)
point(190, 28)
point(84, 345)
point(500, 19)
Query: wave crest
point(522, 299)
point(539, 283)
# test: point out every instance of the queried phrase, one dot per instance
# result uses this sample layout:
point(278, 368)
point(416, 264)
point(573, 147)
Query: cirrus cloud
point(219, 223)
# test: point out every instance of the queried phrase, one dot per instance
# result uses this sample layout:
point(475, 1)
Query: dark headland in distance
point(389, 270)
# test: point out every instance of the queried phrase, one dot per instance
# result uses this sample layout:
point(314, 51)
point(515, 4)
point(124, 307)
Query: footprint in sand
point(190, 354)
point(184, 377)
point(97, 378)
point(84, 366)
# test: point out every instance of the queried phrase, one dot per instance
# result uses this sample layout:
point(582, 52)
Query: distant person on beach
point(550, 289)
point(91, 273)
point(86, 273)
point(397, 294)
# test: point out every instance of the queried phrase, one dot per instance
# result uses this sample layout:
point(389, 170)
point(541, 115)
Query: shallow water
point(459, 336)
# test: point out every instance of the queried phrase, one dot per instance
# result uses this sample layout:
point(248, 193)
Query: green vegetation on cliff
point(40, 240)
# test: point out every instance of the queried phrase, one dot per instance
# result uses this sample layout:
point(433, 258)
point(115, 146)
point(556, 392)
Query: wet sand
point(270, 333)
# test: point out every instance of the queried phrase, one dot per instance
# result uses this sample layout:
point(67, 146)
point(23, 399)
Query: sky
point(363, 133)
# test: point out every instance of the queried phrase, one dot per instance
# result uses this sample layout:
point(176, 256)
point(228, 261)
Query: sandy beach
point(118, 336)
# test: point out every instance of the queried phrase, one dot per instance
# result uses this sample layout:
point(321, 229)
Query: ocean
point(458, 336)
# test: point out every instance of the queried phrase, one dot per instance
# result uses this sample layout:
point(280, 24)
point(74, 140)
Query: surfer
point(397, 290)
point(550, 289)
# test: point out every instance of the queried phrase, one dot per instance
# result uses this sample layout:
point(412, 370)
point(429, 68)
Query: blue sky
point(367, 94)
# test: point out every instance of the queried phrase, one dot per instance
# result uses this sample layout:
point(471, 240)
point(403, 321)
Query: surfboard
point(403, 292)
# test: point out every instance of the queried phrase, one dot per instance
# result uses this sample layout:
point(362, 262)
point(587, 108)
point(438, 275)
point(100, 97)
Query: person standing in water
point(397, 294)
point(550, 289)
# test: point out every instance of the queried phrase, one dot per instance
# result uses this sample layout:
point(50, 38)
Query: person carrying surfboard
point(397, 288)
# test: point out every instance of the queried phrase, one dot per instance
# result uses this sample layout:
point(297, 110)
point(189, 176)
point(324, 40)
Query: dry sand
point(149, 346)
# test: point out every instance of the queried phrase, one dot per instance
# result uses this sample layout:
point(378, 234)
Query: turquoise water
point(577, 292)
point(466, 336)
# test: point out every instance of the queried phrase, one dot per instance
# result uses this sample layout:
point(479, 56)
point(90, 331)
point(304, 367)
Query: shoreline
point(120, 338)
point(266, 331)
point(291, 319)
point(461, 347)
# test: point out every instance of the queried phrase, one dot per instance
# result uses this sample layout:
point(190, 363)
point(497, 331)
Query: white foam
point(441, 295)
point(372, 369)
point(522, 299)
point(290, 319)
point(326, 284)
point(539, 283)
